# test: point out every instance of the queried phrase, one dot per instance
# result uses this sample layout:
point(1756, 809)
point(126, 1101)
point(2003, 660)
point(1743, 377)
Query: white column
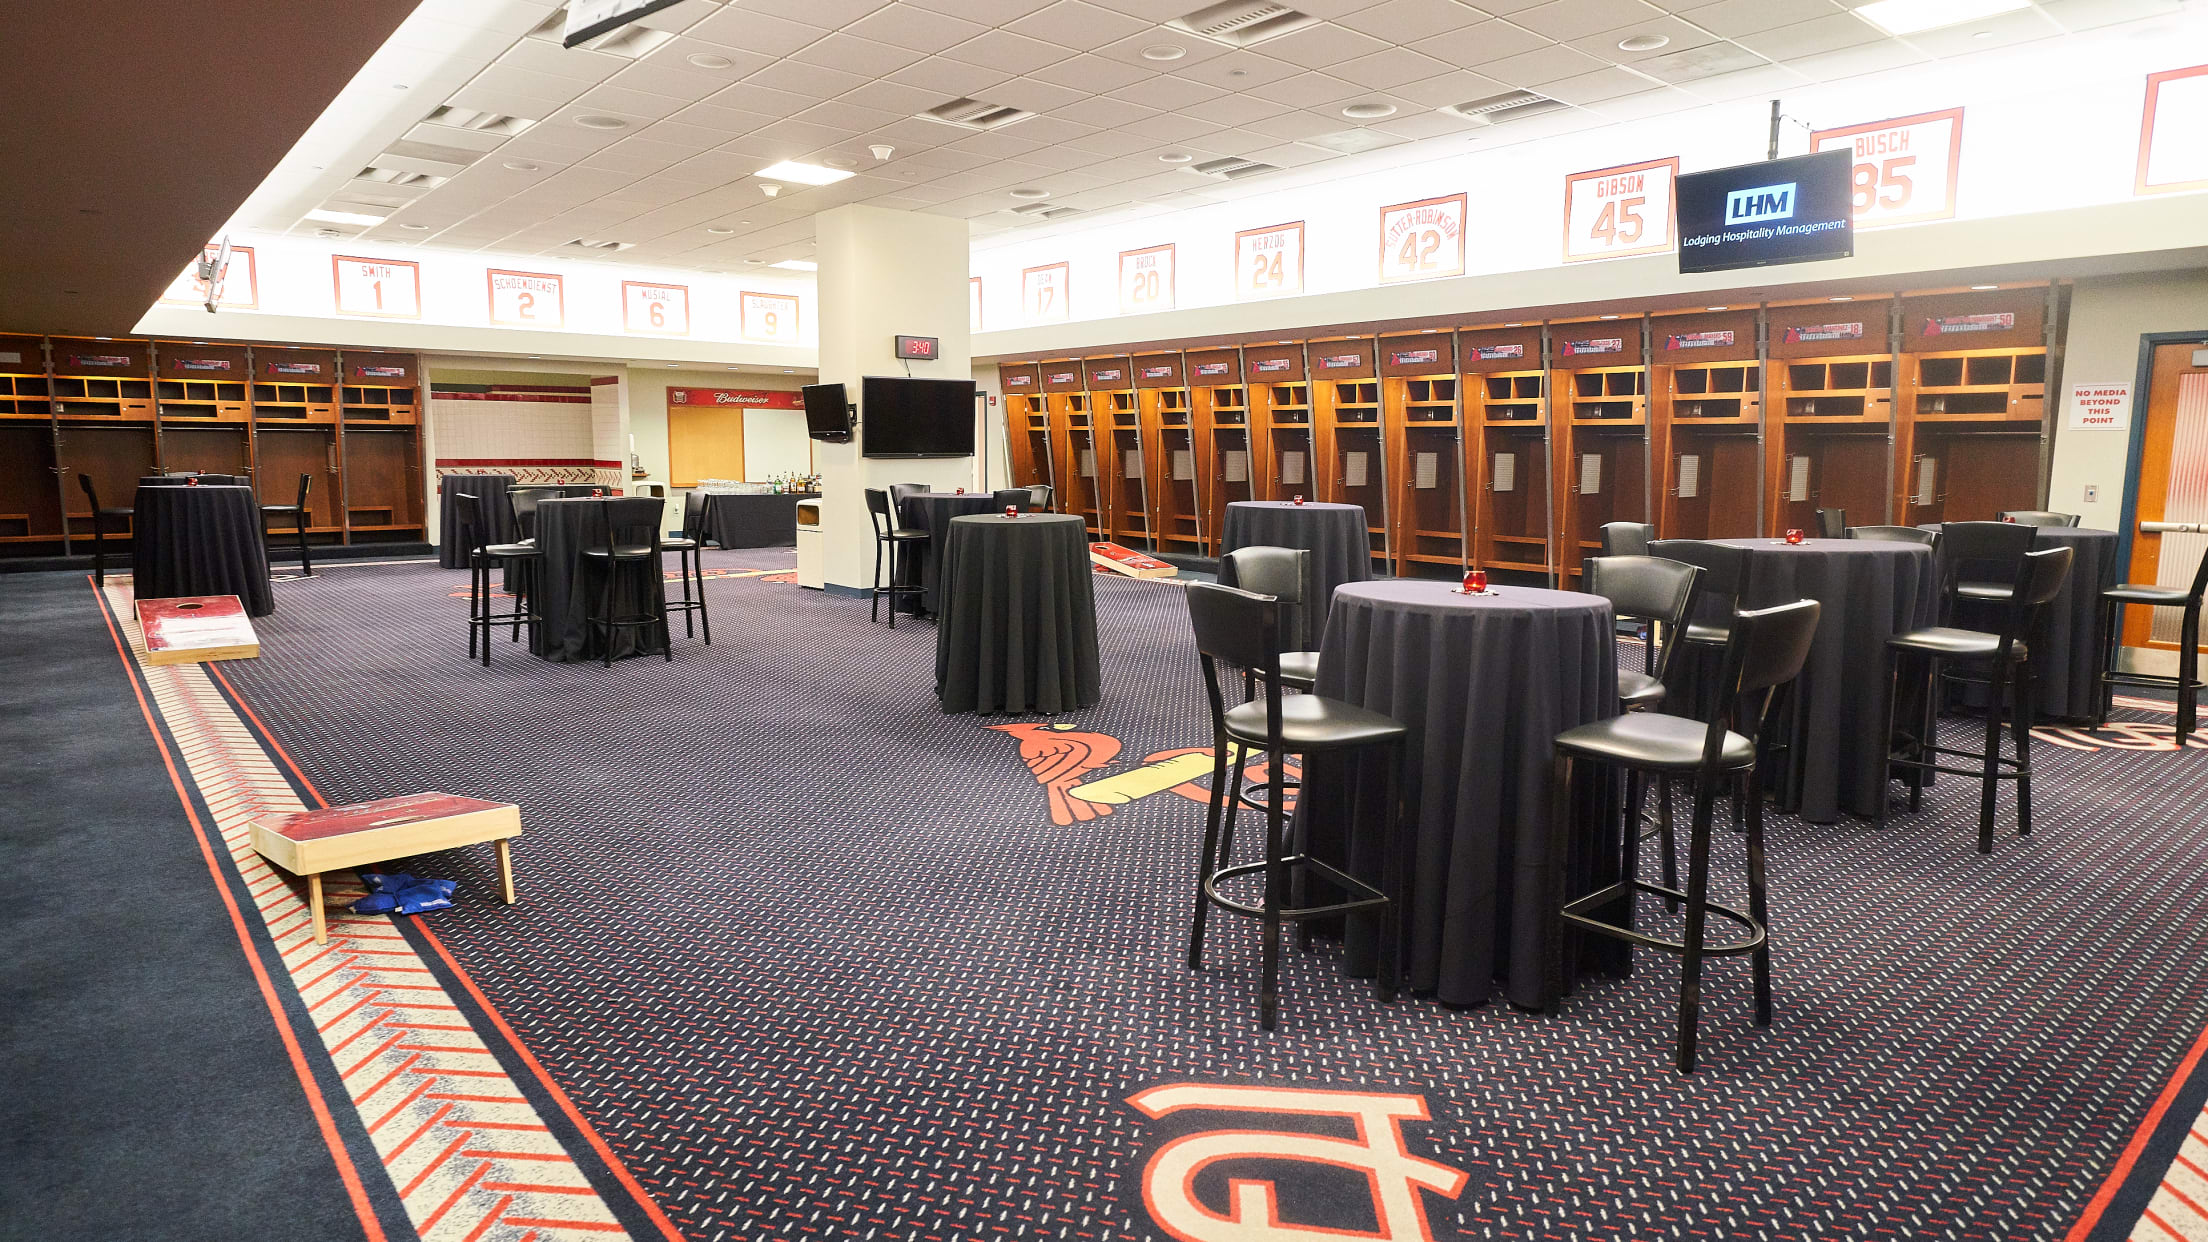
point(883, 273)
point(609, 425)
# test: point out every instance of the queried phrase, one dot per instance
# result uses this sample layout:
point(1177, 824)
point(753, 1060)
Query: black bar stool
point(2187, 683)
point(689, 550)
point(522, 502)
point(2039, 578)
point(627, 547)
point(298, 514)
point(1766, 650)
point(1243, 629)
point(1832, 523)
point(99, 527)
point(519, 559)
point(1284, 574)
point(1655, 593)
point(888, 534)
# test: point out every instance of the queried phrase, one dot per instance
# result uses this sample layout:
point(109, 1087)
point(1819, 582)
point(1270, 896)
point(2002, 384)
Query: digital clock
point(921, 347)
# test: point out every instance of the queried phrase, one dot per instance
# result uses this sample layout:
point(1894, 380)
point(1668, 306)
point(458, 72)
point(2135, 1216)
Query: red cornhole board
point(1129, 562)
point(309, 843)
point(189, 629)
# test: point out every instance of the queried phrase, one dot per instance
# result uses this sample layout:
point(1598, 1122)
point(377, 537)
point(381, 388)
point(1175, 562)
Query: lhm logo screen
point(1247, 1163)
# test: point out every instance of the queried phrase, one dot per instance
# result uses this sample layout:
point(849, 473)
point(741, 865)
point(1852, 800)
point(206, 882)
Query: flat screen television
point(902, 417)
point(827, 412)
point(1795, 210)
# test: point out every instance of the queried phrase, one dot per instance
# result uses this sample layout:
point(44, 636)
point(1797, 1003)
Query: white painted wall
point(2107, 318)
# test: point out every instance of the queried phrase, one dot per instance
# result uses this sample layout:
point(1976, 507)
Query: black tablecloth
point(2066, 640)
point(203, 540)
point(1018, 627)
point(568, 590)
point(932, 512)
point(1871, 590)
point(745, 521)
point(205, 480)
point(1484, 684)
point(1336, 536)
point(454, 538)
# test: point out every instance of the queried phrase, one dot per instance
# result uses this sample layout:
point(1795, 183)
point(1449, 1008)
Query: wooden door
point(704, 442)
point(2172, 487)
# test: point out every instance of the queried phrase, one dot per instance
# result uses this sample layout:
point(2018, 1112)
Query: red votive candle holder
point(1475, 582)
point(1299, 498)
point(960, 492)
point(597, 491)
point(191, 480)
point(1793, 534)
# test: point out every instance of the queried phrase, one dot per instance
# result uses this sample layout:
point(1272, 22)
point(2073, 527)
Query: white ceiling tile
point(2089, 14)
point(698, 137)
point(1296, 126)
point(767, 150)
point(1868, 58)
point(893, 97)
point(641, 156)
point(1987, 33)
point(1824, 34)
point(1546, 64)
point(831, 14)
point(1385, 70)
point(1034, 94)
point(1733, 18)
point(950, 78)
point(1572, 19)
point(1418, 125)
point(1594, 87)
point(1060, 155)
point(757, 97)
point(1163, 91)
point(1051, 129)
point(987, 12)
point(1292, 155)
point(713, 168)
point(1103, 112)
point(1320, 45)
point(1232, 109)
point(671, 76)
point(852, 54)
point(1169, 127)
point(748, 28)
point(1411, 21)
point(1307, 88)
point(809, 134)
point(923, 31)
point(913, 134)
point(1239, 71)
point(848, 117)
point(1744, 83)
point(575, 63)
point(811, 81)
point(717, 120)
point(1095, 74)
point(1455, 87)
point(506, 80)
point(943, 160)
point(1072, 23)
point(1697, 63)
point(1109, 142)
point(628, 103)
point(1679, 35)
point(1483, 44)
point(1003, 50)
point(1193, 51)
point(1660, 102)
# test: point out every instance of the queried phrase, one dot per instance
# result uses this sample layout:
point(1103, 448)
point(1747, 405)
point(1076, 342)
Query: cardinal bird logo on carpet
point(1059, 757)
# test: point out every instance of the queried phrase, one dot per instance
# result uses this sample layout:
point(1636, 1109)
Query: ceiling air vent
point(585, 243)
point(1046, 211)
point(1232, 168)
point(481, 122)
point(630, 41)
point(975, 114)
point(1242, 23)
point(400, 177)
point(1508, 106)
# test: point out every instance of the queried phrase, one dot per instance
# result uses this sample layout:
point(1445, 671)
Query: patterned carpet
point(817, 962)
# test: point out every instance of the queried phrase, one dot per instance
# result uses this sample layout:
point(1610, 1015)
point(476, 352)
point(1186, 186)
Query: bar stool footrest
point(1575, 913)
point(1363, 896)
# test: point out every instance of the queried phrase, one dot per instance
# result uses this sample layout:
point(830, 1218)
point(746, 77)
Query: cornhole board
point(192, 629)
point(1129, 562)
point(309, 843)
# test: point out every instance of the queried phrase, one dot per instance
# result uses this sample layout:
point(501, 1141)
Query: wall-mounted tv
point(827, 413)
point(1795, 210)
point(902, 417)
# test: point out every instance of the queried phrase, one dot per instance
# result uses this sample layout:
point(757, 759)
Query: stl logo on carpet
point(1295, 1178)
point(1061, 759)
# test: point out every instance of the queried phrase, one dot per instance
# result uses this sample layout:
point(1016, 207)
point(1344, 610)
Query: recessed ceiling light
point(1029, 191)
point(1840, 299)
point(707, 60)
point(1713, 308)
point(344, 217)
point(1514, 325)
point(413, 226)
point(1609, 316)
point(717, 229)
point(521, 166)
point(797, 265)
point(1176, 157)
point(1901, 17)
point(596, 121)
point(1982, 288)
point(1164, 51)
point(803, 174)
point(1643, 42)
point(1368, 111)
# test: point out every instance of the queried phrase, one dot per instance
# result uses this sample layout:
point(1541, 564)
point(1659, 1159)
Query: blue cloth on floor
point(403, 894)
